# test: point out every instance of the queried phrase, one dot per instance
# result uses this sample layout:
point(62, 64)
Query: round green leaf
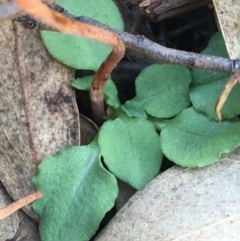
point(110, 90)
point(77, 52)
point(216, 47)
point(193, 140)
point(131, 150)
point(204, 98)
point(163, 90)
point(77, 190)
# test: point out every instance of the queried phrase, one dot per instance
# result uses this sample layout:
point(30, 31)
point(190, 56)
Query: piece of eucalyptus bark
point(39, 115)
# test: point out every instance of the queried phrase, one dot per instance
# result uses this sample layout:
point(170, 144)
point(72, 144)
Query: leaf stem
point(10, 209)
point(66, 25)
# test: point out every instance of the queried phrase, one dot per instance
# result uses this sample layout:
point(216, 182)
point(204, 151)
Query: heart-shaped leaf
point(131, 150)
point(163, 90)
point(77, 52)
point(193, 140)
point(78, 191)
point(110, 90)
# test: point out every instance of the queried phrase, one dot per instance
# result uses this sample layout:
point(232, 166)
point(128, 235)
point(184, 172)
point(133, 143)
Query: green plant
point(77, 189)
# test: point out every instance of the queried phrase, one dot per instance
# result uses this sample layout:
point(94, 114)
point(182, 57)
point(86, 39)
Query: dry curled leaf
point(183, 205)
point(39, 115)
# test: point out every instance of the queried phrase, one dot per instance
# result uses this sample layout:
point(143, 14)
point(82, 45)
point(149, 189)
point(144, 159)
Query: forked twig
point(61, 23)
point(13, 207)
point(233, 80)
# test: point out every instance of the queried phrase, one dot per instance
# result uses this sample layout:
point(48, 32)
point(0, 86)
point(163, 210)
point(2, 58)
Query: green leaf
point(110, 90)
point(193, 140)
point(159, 123)
point(77, 190)
point(77, 52)
point(131, 150)
point(83, 83)
point(134, 109)
point(216, 47)
point(111, 94)
point(208, 85)
point(204, 98)
point(163, 90)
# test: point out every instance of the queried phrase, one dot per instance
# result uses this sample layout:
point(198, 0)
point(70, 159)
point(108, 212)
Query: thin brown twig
point(63, 24)
point(153, 51)
point(13, 207)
